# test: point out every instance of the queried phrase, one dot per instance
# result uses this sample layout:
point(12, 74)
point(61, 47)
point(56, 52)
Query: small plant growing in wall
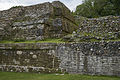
point(15, 7)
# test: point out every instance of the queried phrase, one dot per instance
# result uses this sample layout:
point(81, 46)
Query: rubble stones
point(103, 28)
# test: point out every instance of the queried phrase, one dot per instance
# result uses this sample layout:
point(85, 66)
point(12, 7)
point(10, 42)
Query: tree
point(98, 8)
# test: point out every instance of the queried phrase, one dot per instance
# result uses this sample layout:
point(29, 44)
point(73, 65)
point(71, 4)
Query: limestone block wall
point(29, 58)
point(91, 58)
point(95, 58)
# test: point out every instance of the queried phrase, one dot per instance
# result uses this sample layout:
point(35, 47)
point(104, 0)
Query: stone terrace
point(36, 22)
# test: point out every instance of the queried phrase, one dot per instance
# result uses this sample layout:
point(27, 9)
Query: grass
point(34, 76)
point(55, 41)
point(33, 41)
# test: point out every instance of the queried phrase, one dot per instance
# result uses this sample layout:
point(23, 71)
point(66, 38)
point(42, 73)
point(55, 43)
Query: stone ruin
point(91, 58)
point(108, 24)
point(36, 22)
point(103, 28)
point(54, 20)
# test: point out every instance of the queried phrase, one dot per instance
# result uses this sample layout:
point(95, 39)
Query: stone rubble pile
point(103, 28)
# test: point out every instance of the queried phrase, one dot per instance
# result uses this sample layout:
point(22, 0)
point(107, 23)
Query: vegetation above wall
point(66, 39)
point(98, 8)
point(34, 41)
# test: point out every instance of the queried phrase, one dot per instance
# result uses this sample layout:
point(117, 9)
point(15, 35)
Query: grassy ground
point(54, 41)
point(33, 76)
point(33, 41)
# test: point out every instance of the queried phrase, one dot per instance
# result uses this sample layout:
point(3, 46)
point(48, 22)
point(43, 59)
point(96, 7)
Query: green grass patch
point(34, 76)
point(33, 41)
point(94, 40)
point(56, 41)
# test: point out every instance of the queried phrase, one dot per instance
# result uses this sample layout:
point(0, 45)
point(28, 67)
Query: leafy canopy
point(98, 8)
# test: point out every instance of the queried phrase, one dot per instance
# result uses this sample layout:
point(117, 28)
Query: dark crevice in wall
point(85, 64)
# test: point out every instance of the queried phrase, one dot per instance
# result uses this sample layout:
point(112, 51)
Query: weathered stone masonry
point(97, 58)
point(36, 22)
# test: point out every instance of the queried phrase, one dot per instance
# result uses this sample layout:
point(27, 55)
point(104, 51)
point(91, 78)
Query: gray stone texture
point(36, 22)
point(97, 58)
point(100, 25)
point(103, 28)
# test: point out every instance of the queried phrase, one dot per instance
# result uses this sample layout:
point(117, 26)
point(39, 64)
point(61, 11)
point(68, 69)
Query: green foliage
point(98, 8)
point(15, 7)
point(34, 76)
point(34, 41)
